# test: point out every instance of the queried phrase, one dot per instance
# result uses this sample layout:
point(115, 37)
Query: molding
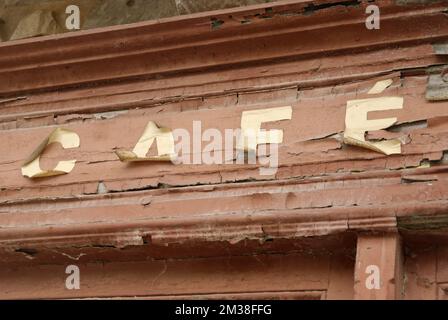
point(86, 226)
point(231, 212)
point(157, 49)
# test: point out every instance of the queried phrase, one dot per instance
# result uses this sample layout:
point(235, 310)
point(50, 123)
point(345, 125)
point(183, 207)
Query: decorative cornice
point(254, 35)
point(267, 211)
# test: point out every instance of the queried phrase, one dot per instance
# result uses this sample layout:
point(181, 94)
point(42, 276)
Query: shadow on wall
point(20, 19)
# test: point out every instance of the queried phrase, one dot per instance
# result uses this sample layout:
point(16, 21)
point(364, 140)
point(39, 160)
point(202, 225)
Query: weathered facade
point(20, 19)
point(311, 230)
